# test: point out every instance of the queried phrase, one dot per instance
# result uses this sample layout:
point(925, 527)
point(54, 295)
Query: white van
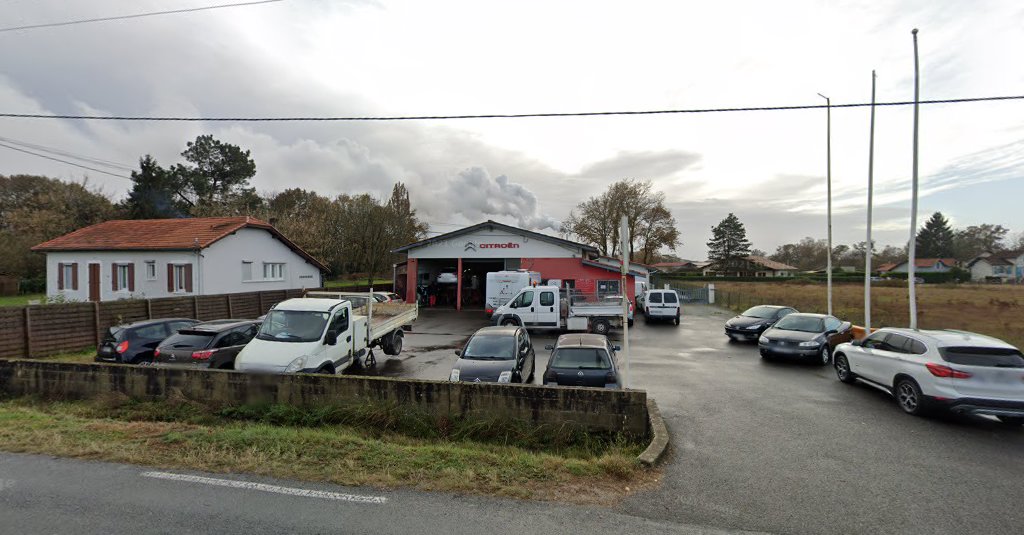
point(661, 305)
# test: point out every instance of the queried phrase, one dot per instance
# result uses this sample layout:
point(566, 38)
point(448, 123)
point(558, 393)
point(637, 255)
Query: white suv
point(662, 305)
point(956, 370)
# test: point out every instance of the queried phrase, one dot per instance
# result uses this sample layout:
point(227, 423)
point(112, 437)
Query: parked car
point(925, 370)
point(755, 320)
point(213, 344)
point(661, 305)
point(582, 360)
point(134, 343)
point(810, 336)
point(496, 355)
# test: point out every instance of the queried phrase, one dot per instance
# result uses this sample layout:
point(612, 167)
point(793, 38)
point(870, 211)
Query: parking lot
point(780, 446)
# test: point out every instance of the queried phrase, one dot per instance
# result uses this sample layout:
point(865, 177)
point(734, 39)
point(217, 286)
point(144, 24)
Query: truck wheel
point(509, 321)
point(393, 345)
point(601, 327)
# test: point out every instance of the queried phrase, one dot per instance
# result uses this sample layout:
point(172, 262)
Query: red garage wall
point(586, 277)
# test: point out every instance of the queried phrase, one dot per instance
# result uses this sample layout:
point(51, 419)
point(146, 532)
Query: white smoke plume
point(476, 195)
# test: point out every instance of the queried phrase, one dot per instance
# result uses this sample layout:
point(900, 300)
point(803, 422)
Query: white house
point(170, 257)
point(750, 266)
point(921, 265)
point(1004, 266)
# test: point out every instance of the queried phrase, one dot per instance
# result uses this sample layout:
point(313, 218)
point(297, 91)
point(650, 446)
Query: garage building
point(455, 265)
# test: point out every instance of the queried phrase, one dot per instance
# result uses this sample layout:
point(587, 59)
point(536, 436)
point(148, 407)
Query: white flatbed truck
point(550, 307)
point(324, 333)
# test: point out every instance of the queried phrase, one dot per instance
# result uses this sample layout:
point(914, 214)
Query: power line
point(64, 161)
point(497, 115)
point(60, 152)
point(134, 16)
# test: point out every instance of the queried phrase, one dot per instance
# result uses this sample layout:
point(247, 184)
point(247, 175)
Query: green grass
point(379, 448)
point(358, 283)
point(20, 300)
point(85, 355)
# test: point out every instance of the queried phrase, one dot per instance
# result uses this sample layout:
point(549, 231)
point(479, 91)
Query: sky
point(385, 58)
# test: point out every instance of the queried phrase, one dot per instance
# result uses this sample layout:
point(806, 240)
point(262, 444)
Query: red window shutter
point(170, 278)
point(60, 276)
point(74, 275)
point(131, 277)
point(188, 278)
point(113, 277)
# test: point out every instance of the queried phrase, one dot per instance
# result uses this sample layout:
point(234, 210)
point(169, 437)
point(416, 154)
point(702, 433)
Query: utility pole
point(871, 186)
point(912, 260)
point(828, 159)
point(624, 247)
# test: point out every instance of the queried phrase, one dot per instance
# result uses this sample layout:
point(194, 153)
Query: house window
point(122, 277)
point(151, 270)
point(246, 270)
point(67, 276)
point(180, 281)
point(273, 271)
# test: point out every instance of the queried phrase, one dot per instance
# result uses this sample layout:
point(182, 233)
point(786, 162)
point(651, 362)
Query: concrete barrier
point(658, 435)
point(588, 409)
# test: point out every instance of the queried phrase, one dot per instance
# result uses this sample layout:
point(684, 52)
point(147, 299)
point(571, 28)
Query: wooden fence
point(41, 330)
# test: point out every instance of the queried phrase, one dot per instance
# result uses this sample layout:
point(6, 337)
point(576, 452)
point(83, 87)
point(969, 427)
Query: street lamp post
point(828, 148)
point(871, 185)
point(912, 247)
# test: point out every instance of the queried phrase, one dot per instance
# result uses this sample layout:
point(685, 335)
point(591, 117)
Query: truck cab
point(550, 307)
point(305, 335)
point(534, 306)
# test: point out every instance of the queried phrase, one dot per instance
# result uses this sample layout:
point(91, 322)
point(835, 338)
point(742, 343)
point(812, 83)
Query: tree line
point(348, 233)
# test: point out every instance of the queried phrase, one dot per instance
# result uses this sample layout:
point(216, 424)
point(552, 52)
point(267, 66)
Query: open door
point(94, 282)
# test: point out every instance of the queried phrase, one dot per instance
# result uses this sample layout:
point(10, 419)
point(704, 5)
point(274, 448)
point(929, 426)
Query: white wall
point(221, 269)
point(217, 271)
point(144, 288)
point(521, 247)
point(980, 270)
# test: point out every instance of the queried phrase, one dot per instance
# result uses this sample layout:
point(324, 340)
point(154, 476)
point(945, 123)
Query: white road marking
point(263, 487)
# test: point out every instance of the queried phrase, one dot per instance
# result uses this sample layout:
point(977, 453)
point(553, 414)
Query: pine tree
point(728, 241)
point(935, 240)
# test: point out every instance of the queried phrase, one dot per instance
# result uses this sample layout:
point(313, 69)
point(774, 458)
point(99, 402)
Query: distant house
point(921, 265)
point(750, 266)
point(1003, 266)
point(169, 257)
point(681, 266)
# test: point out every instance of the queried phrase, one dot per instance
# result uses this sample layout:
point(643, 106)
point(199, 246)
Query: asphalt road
point(761, 446)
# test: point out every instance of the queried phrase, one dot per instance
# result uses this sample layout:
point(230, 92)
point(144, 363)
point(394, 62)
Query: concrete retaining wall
point(594, 410)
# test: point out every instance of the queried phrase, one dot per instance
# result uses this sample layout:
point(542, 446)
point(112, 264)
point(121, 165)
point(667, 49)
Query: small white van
point(661, 305)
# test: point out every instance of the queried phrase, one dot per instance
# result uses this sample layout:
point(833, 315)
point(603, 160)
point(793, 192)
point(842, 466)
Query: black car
point(213, 344)
point(582, 360)
point(809, 336)
point(755, 320)
point(496, 355)
point(135, 342)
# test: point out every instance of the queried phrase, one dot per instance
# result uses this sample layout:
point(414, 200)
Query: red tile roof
point(920, 262)
point(161, 234)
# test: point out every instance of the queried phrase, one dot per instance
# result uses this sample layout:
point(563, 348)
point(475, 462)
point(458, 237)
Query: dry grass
point(987, 309)
point(172, 436)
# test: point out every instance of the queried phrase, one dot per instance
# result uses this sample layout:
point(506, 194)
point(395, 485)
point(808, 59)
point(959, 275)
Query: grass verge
point(375, 448)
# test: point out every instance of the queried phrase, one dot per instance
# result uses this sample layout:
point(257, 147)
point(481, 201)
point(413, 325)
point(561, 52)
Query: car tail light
point(122, 347)
point(938, 370)
point(550, 376)
point(610, 378)
point(203, 355)
point(490, 311)
point(156, 352)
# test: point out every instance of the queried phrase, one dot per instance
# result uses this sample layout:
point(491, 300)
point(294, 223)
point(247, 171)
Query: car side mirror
point(458, 352)
point(857, 343)
point(617, 348)
point(512, 305)
point(549, 347)
point(331, 339)
point(830, 332)
point(845, 326)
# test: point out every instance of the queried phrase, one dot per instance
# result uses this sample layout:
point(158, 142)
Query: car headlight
point(296, 365)
point(505, 377)
point(454, 376)
point(812, 343)
point(763, 340)
point(755, 326)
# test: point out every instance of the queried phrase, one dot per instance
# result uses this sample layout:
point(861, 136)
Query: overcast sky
point(308, 57)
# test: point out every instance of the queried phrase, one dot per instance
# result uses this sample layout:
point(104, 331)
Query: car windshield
point(761, 312)
point(584, 358)
point(188, 339)
point(293, 326)
point(490, 348)
point(800, 323)
point(994, 357)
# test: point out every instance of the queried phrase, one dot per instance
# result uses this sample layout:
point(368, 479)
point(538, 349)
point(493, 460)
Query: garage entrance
point(474, 280)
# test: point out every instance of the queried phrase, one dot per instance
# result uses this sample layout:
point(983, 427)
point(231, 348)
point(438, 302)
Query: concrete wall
point(594, 410)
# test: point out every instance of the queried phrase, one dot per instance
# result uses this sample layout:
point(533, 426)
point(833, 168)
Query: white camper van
point(504, 285)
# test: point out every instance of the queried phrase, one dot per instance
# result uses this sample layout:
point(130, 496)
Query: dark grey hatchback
point(582, 360)
point(134, 343)
point(496, 355)
point(213, 344)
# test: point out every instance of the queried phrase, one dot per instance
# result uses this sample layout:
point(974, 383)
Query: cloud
point(641, 164)
point(474, 194)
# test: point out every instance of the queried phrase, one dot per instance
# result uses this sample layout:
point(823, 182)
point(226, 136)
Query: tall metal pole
point(912, 248)
point(624, 235)
point(871, 188)
point(828, 149)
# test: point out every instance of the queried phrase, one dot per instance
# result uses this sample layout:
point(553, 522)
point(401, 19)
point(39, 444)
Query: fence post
point(28, 333)
point(149, 309)
point(260, 296)
point(231, 313)
point(96, 321)
point(195, 306)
